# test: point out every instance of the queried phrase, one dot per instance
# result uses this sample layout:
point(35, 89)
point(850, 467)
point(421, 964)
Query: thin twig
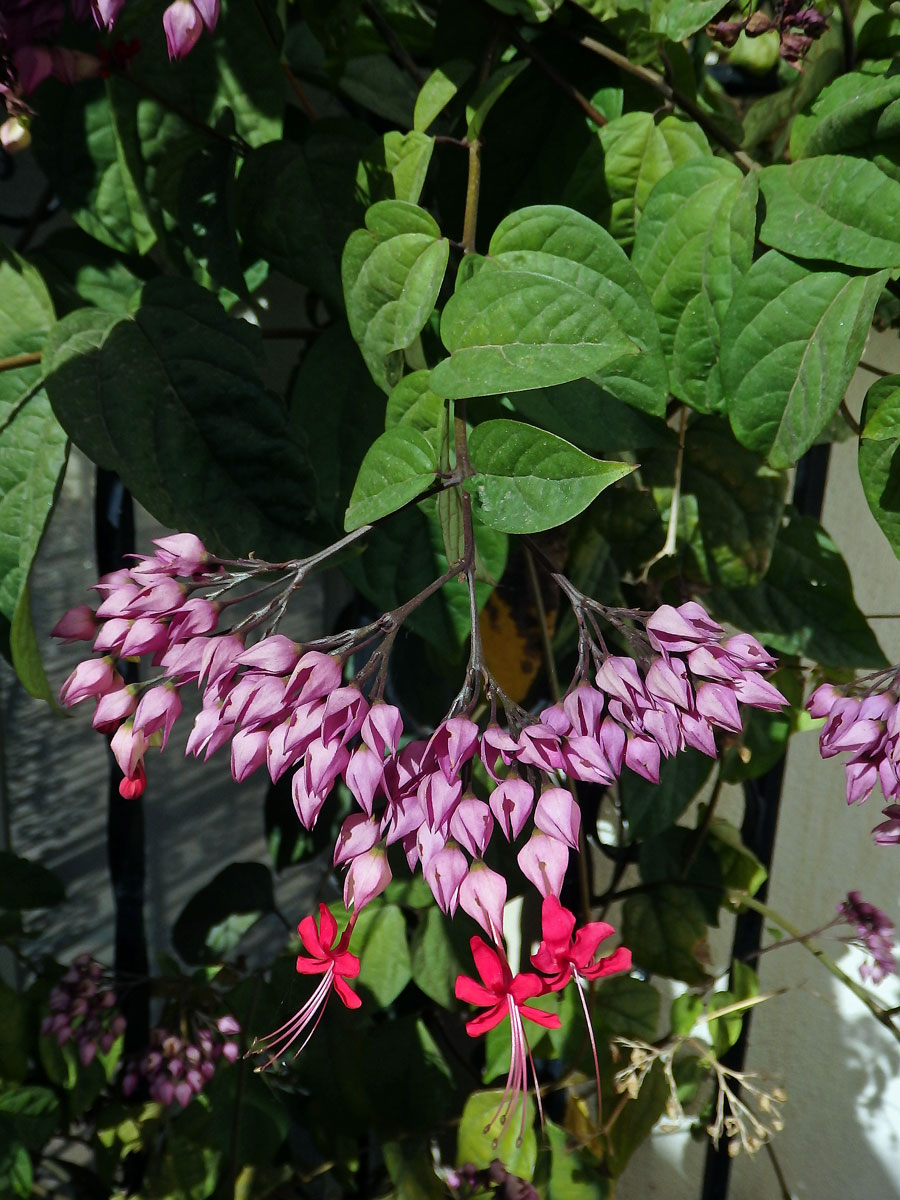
point(670, 545)
point(399, 51)
point(867, 366)
point(20, 404)
point(786, 1193)
point(15, 361)
point(561, 82)
point(237, 143)
point(674, 96)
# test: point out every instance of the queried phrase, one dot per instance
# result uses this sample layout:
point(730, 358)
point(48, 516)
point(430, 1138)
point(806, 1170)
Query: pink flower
point(77, 625)
point(323, 957)
point(367, 876)
point(561, 955)
point(94, 677)
point(159, 708)
point(505, 995)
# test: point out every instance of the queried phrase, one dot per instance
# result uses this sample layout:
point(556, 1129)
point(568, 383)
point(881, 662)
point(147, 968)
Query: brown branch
point(674, 96)
point(399, 51)
point(15, 361)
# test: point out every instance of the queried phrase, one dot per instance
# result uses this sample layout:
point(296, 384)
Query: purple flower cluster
point(82, 1010)
point(874, 934)
point(177, 1069)
point(288, 709)
point(868, 729)
point(798, 26)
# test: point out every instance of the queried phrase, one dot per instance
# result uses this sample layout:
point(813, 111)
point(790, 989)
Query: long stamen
point(282, 1039)
point(513, 1082)
point(590, 1029)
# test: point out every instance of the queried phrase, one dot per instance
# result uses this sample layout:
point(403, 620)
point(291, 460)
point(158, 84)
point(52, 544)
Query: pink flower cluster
point(874, 934)
point(868, 729)
point(83, 1010)
point(177, 1069)
point(290, 711)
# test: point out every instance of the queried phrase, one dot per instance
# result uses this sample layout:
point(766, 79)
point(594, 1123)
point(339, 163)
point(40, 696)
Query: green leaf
point(677, 855)
point(638, 152)
point(399, 466)
point(774, 112)
point(527, 480)
point(392, 272)
point(857, 113)
point(379, 941)
point(694, 243)
point(179, 375)
point(33, 1112)
point(833, 207)
point(805, 604)
point(25, 884)
point(678, 19)
point(574, 1174)
point(625, 1007)
point(410, 1167)
point(439, 955)
point(509, 329)
point(408, 1078)
point(297, 205)
point(77, 148)
point(16, 1172)
point(185, 1171)
point(792, 339)
point(13, 1034)
point(741, 869)
point(438, 90)
point(650, 808)
point(666, 930)
point(240, 888)
point(264, 1120)
point(487, 95)
point(25, 652)
point(559, 242)
point(412, 402)
point(382, 86)
point(685, 1013)
point(79, 271)
point(530, 10)
point(406, 156)
point(878, 461)
point(480, 1148)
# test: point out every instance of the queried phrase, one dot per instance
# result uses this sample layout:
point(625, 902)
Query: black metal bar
point(125, 848)
point(762, 802)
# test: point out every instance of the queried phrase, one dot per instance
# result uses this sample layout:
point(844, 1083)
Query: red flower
point(325, 956)
point(559, 954)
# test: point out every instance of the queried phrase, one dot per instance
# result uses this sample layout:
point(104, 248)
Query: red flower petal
point(548, 1020)
point(327, 927)
point(472, 992)
point(346, 993)
point(587, 940)
point(487, 1020)
point(493, 969)
point(620, 960)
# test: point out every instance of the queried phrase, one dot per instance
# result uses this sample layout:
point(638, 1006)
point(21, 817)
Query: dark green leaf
point(379, 941)
point(33, 1113)
point(666, 931)
point(741, 869)
point(297, 205)
point(805, 604)
point(137, 393)
point(13, 1034)
point(411, 1169)
point(575, 1174)
point(79, 271)
point(527, 480)
point(500, 1141)
point(240, 888)
point(650, 808)
point(879, 462)
point(412, 402)
point(338, 412)
point(184, 1172)
point(392, 272)
point(693, 244)
point(559, 242)
point(625, 1007)
point(637, 1118)
point(380, 85)
point(264, 1118)
point(26, 884)
point(583, 413)
point(676, 855)
point(408, 1079)
point(685, 1013)
point(16, 1172)
point(834, 207)
point(439, 954)
point(730, 504)
point(792, 338)
point(399, 466)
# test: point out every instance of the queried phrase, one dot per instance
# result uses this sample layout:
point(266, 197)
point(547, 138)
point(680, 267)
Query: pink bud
point(382, 728)
point(861, 779)
point(584, 708)
point(482, 894)
point(676, 630)
point(497, 743)
point(94, 677)
point(277, 655)
point(358, 834)
point(472, 825)
point(511, 803)
point(196, 616)
point(345, 711)
point(77, 625)
point(620, 677)
point(159, 708)
point(642, 756)
point(363, 775)
point(584, 760)
point(183, 25)
point(367, 877)
point(129, 747)
point(209, 11)
point(752, 689)
point(439, 798)
point(749, 652)
point(822, 700)
point(543, 860)
point(111, 635)
point(557, 815)
point(718, 704)
point(444, 874)
point(113, 708)
point(315, 676)
point(453, 743)
point(698, 733)
point(145, 635)
point(248, 752)
point(184, 552)
point(668, 681)
point(540, 747)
